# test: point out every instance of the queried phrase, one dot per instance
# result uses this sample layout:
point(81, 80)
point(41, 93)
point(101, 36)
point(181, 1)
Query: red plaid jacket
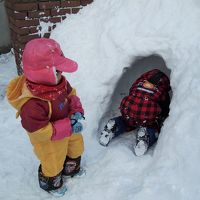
point(143, 105)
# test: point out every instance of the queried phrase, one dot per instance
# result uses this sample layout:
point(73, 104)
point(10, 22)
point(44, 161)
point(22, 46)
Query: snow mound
point(106, 38)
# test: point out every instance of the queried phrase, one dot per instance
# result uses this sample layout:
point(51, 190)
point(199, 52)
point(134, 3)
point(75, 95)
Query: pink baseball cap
point(42, 57)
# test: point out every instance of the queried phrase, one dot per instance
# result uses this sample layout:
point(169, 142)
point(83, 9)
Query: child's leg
point(120, 126)
point(113, 128)
point(52, 156)
point(49, 183)
point(145, 138)
point(53, 185)
point(72, 162)
point(153, 136)
point(71, 166)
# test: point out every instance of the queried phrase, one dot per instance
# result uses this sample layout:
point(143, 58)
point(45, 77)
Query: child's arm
point(73, 100)
point(76, 112)
point(74, 103)
point(35, 119)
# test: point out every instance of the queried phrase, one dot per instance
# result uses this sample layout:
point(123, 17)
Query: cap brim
point(66, 65)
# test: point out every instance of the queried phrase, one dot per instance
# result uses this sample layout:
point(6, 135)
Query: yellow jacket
point(51, 154)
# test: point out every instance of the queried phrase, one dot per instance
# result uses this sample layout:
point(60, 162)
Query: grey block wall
point(4, 30)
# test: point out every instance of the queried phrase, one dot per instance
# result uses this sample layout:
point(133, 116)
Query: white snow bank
point(108, 36)
point(7, 71)
point(104, 38)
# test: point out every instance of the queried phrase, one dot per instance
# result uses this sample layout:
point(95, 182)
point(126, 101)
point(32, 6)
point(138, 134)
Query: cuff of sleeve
point(62, 128)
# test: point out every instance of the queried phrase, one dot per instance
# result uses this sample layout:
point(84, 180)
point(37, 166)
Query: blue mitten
point(77, 127)
point(77, 116)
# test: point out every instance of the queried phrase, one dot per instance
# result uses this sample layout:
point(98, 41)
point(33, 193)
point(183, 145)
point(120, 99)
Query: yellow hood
point(17, 93)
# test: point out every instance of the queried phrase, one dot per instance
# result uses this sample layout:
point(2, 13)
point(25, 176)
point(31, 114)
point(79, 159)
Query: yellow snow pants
point(52, 154)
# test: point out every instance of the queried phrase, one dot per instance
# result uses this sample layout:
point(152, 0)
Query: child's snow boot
point(72, 168)
point(142, 142)
point(108, 133)
point(53, 185)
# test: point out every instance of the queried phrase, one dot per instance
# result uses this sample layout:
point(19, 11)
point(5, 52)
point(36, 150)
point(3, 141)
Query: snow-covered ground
point(106, 38)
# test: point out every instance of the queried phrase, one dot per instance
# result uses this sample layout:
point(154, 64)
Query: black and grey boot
point(53, 185)
point(72, 167)
point(108, 133)
point(142, 141)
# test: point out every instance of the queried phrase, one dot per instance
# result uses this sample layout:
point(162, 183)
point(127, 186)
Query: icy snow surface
point(105, 38)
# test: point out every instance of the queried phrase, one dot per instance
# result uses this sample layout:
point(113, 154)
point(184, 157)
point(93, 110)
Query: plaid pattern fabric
point(141, 107)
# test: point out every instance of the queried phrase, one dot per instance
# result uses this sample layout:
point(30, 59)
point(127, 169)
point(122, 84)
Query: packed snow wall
point(116, 34)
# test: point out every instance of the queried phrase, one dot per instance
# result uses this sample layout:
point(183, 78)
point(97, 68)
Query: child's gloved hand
point(77, 127)
point(77, 116)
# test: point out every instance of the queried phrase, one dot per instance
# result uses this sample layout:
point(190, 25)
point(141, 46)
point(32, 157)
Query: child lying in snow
point(50, 112)
point(144, 109)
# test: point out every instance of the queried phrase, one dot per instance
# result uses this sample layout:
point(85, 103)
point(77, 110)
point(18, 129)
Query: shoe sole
point(103, 140)
point(141, 148)
point(58, 194)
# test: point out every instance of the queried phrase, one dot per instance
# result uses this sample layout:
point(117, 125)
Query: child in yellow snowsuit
point(50, 112)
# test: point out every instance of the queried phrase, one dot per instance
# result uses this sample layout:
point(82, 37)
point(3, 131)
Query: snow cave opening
point(130, 73)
